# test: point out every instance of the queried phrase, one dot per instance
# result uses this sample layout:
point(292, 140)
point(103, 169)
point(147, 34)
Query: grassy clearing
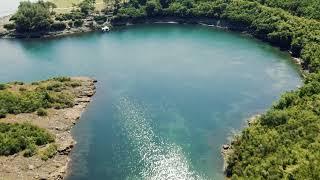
point(65, 6)
point(17, 97)
point(18, 137)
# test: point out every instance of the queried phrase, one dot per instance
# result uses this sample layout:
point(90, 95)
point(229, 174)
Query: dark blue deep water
point(168, 96)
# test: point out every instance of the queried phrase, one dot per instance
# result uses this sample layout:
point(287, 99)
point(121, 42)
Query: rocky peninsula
point(58, 121)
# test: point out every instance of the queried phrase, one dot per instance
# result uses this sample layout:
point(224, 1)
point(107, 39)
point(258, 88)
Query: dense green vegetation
point(87, 6)
point(284, 143)
point(48, 152)
point(33, 17)
point(40, 17)
point(18, 137)
point(305, 8)
point(36, 96)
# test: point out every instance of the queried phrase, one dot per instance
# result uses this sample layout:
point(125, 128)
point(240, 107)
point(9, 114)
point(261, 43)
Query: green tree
point(87, 6)
point(153, 7)
point(32, 17)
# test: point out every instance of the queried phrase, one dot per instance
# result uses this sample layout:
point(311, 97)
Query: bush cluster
point(78, 23)
point(2, 87)
point(87, 6)
point(33, 17)
point(18, 137)
point(9, 26)
point(58, 26)
point(46, 94)
point(48, 152)
point(42, 112)
point(73, 15)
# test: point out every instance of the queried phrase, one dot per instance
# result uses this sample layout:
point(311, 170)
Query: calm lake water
point(168, 96)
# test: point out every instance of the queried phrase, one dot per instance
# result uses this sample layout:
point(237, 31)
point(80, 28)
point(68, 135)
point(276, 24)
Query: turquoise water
point(168, 96)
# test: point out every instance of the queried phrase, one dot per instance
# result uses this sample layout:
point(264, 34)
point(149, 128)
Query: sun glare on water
point(160, 159)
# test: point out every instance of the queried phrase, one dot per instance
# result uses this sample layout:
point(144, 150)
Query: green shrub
point(2, 87)
point(87, 6)
point(24, 102)
point(31, 100)
point(30, 150)
point(78, 23)
point(10, 26)
point(33, 17)
point(100, 18)
point(70, 24)
point(42, 112)
point(22, 89)
point(55, 86)
point(58, 26)
point(18, 83)
point(48, 152)
point(57, 106)
point(62, 79)
point(18, 137)
point(3, 113)
point(74, 84)
point(73, 15)
point(65, 100)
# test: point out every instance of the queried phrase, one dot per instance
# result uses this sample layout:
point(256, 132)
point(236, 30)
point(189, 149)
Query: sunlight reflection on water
point(159, 159)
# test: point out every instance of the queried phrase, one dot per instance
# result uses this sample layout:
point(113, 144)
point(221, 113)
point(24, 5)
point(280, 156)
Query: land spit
point(59, 123)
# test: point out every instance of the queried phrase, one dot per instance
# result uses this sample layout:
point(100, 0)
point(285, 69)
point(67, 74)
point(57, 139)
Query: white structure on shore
point(105, 29)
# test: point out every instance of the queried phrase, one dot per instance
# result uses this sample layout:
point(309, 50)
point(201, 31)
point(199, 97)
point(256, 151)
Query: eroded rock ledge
point(58, 122)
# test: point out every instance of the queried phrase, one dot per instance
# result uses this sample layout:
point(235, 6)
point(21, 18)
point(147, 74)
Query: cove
point(168, 96)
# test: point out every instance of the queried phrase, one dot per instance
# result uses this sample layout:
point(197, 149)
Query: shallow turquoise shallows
point(168, 96)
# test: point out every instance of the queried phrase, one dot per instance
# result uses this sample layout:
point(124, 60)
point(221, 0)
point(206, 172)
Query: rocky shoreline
point(59, 123)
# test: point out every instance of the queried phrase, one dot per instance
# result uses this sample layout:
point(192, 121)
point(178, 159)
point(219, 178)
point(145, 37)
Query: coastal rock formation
point(58, 122)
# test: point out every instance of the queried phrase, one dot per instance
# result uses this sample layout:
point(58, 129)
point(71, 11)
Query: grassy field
point(67, 5)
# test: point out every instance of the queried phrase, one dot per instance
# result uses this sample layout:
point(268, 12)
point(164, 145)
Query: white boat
point(105, 29)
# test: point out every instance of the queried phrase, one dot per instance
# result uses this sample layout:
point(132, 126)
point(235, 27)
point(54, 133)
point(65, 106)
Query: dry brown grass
point(65, 6)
